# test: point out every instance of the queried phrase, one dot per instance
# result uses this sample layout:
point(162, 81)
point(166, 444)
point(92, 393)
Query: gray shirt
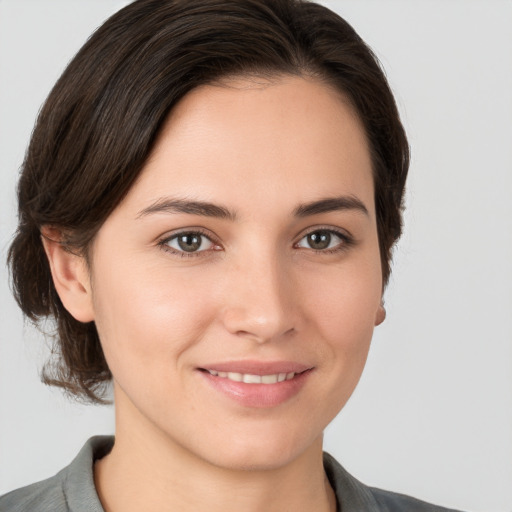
point(72, 489)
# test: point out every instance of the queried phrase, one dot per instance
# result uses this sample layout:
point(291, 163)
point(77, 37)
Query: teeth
point(252, 379)
point(249, 378)
point(269, 379)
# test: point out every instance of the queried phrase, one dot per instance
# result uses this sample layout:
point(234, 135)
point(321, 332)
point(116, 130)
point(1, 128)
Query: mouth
point(251, 378)
point(257, 384)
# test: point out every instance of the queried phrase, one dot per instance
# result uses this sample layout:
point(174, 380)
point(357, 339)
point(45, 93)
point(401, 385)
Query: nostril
point(259, 319)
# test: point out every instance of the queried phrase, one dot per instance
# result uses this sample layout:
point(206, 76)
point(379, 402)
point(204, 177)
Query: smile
point(257, 384)
point(249, 378)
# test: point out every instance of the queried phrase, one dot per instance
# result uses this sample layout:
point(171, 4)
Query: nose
point(260, 301)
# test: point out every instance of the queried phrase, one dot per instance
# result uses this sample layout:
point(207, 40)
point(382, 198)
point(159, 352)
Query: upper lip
point(258, 367)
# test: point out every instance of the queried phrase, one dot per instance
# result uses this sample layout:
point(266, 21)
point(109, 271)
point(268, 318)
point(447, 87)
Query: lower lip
point(258, 395)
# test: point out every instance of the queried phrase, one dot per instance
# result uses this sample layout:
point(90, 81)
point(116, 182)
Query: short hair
point(101, 120)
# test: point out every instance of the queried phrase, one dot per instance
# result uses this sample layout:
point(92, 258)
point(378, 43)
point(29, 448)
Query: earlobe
point(380, 316)
point(70, 276)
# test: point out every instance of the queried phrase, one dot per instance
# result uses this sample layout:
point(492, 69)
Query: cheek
point(345, 300)
point(145, 318)
point(342, 307)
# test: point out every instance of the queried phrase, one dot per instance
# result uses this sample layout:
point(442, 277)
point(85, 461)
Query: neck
point(148, 471)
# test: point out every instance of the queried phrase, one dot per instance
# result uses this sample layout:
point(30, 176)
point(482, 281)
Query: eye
point(188, 242)
point(323, 239)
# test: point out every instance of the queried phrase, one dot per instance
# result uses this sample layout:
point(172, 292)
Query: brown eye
point(321, 239)
point(189, 242)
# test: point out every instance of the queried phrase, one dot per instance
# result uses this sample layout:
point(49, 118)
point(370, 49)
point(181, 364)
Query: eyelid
point(347, 240)
point(346, 237)
point(163, 241)
point(342, 233)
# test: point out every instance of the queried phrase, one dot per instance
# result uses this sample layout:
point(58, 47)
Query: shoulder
point(354, 496)
point(72, 489)
point(394, 502)
point(47, 495)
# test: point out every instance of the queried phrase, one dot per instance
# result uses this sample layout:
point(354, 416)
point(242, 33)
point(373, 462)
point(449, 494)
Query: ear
point(70, 275)
point(380, 316)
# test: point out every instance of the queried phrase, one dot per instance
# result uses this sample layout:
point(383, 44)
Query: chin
point(262, 451)
point(253, 460)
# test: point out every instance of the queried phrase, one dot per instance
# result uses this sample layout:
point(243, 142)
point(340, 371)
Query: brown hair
point(100, 122)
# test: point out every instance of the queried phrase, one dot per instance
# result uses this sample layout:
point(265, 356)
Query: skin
point(257, 291)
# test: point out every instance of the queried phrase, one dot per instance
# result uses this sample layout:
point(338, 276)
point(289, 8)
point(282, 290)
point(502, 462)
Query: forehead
point(290, 138)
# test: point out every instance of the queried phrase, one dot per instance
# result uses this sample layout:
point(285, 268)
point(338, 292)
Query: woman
point(207, 210)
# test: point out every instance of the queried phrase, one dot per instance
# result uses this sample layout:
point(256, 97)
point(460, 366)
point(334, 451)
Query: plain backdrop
point(432, 415)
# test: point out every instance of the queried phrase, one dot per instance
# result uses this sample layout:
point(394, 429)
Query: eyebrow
point(331, 204)
point(203, 208)
point(206, 209)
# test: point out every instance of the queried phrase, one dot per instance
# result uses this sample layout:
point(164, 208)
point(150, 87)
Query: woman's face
point(246, 251)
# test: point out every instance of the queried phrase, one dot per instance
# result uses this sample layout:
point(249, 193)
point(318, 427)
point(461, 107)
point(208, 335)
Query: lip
point(258, 367)
point(257, 395)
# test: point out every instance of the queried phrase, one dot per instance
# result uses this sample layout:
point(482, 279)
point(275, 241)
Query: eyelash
point(184, 254)
point(346, 242)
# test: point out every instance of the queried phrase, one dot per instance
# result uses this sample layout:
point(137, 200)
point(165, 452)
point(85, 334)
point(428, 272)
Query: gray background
point(432, 415)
